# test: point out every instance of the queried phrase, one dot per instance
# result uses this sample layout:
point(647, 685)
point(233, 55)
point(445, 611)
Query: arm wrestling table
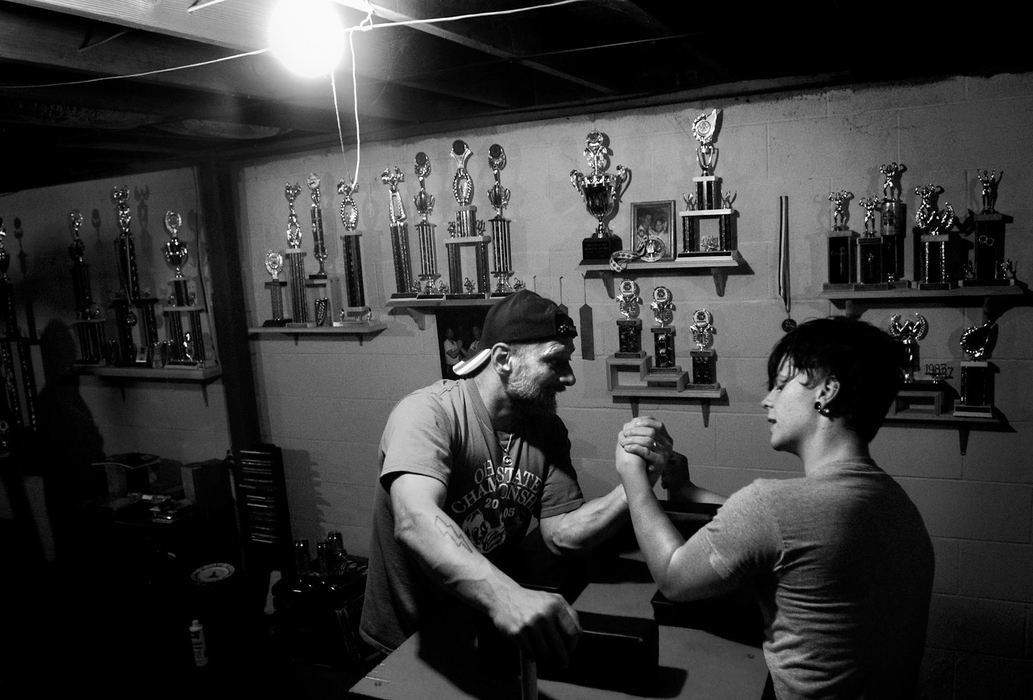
point(692, 663)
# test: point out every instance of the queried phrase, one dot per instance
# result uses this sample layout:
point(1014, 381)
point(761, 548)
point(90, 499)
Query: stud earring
point(821, 408)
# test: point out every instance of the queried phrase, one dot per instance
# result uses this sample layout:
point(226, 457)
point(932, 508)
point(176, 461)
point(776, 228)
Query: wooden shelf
point(419, 308)
point(993, 299)
point(359, 328)
point(182, 373)
point(964, 424)
point(634, 394)
point(719, 264)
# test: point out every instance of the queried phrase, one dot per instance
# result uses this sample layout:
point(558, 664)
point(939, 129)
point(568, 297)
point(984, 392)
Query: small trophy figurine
point(629, 328)
point(600, 192)
point(704, 359)
point(909, 333)
point(274, 265)
point(977, 372)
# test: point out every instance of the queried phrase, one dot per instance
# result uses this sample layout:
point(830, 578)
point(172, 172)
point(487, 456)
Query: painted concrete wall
point(325, 401)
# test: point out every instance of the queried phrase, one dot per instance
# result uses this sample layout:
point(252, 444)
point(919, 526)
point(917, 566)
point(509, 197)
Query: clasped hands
point(644, 443)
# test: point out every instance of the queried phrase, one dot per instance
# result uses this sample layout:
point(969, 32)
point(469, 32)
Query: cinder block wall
point(324, 401)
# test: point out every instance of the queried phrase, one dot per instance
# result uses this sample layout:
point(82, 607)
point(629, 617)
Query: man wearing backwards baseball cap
point(465, 466)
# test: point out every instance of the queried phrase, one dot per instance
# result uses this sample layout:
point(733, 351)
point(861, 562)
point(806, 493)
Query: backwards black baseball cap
point(522, 317)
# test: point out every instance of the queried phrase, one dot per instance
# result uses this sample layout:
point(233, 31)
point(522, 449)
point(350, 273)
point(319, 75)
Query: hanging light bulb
point(307, 36)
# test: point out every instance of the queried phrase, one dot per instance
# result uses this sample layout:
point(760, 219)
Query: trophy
point(351, 249)
point(180, 303)
point(977, 372)
point(909, 333)
point(708, 218)
point(600, 192)
point(135, 315)
point(466, 234)
point(274, 265)
point(295, 258)
point(317, 287)
point(986, 266)
point(89, 321)
point(664, 371)
point(892, 225)
point(424, 204)
point(502, 253)
point(400, 245)
point(936, 257)
point(704, 359)
point(18, 403)
point(870, 249)
point(842, 272)
point(629, 328)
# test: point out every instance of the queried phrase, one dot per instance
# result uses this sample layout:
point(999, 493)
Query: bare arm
point(543, 624)
point(598, 519)
point(681, 569)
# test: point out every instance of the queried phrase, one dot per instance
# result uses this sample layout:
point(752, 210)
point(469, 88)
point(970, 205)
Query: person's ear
point(502, 358)
point(828, 388)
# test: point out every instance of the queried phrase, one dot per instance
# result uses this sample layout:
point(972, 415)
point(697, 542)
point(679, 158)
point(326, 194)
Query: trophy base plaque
point(934, 286)
point(598, 250)
point(923, 395)
point(668, 379)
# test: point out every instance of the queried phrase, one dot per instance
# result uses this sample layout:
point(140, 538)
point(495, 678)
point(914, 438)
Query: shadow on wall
point(68, 439)
point(305, 506)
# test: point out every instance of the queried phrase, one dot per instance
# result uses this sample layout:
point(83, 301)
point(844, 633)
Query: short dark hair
point(867, 362)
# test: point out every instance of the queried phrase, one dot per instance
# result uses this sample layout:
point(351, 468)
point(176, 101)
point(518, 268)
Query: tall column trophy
point(842, 253)
point(424, 204)
point(870, 249)
point(987, 267)
point(892, 225)
point(977, 372)
point(134, 312)
point(317, 287)
point(401, 249)
point(295, 261)
point(18, 396)
point(351, 249)
point(936, 259)
point(466, 233)
point(274, 266)
point(707, 222)
point(89, 320)
point(629, 328)
point(704, 358)
point(502, 252)
point(186, 343)
point(600, 192)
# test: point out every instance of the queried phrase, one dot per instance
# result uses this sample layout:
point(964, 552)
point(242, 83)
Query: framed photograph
point(653, 230)
point(459, 334)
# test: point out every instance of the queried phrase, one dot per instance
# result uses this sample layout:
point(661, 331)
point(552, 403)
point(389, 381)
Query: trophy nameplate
point(600, 191)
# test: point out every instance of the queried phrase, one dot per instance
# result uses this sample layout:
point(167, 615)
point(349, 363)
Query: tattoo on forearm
point(449, 529)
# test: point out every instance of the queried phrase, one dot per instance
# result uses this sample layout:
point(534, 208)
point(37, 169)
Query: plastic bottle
point(199, 644)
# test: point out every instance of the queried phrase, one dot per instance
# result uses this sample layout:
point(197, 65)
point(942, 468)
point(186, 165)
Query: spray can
point(197, 641)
